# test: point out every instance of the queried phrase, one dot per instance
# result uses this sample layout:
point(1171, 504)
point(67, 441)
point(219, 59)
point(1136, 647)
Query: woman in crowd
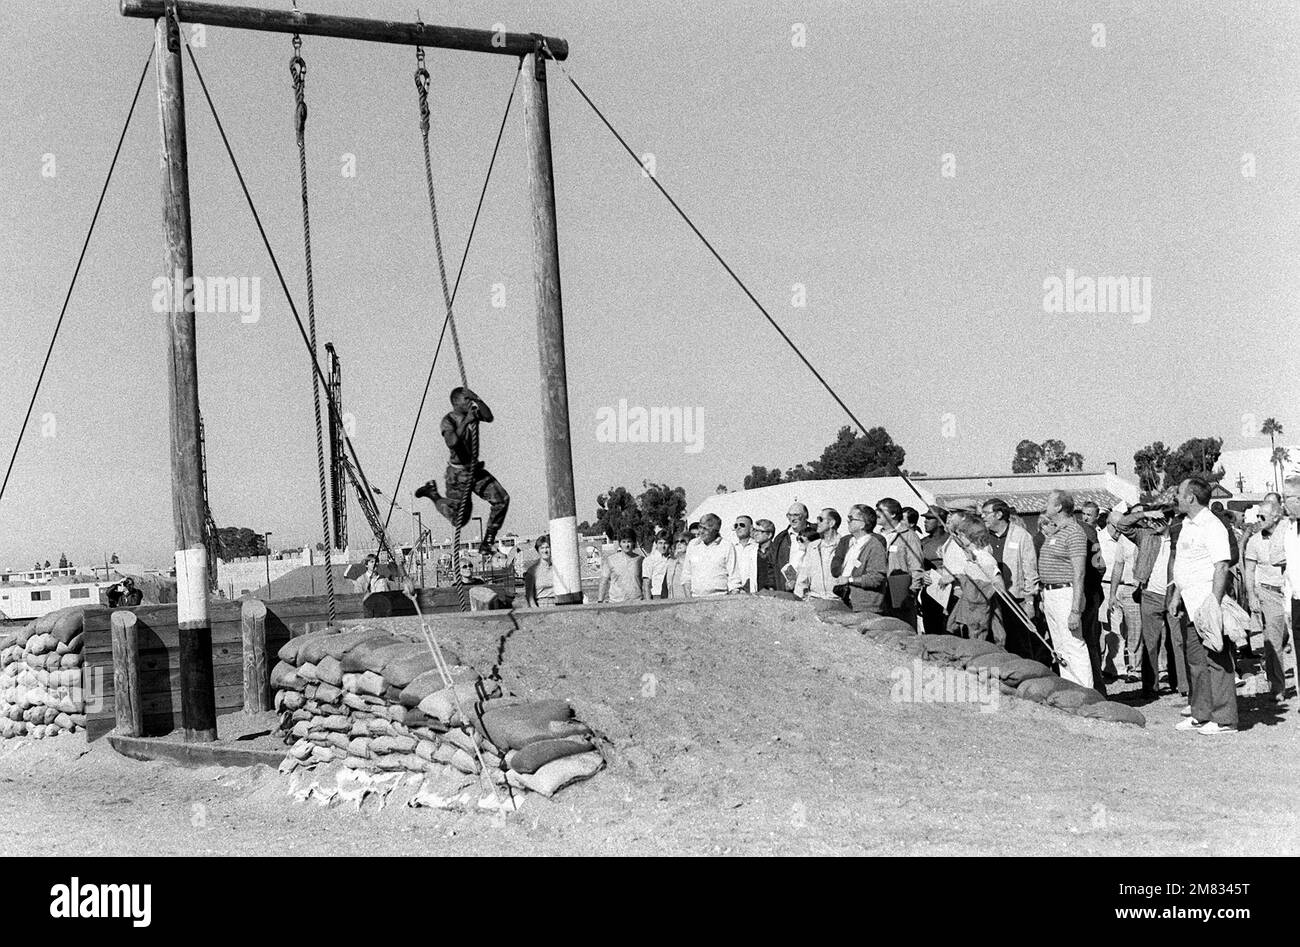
point(660, 570)
point(970, 567)
point(539, 578)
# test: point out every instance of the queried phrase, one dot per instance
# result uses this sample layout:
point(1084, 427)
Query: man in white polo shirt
point(746, 553)
point(710, 562)
point(1201, 567)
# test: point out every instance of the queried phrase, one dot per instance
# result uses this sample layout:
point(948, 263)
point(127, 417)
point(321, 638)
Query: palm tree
point(1280, 457)
point(1272, 429)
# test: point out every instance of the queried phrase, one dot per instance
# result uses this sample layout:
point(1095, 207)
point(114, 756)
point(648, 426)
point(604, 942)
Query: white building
point(20, 600)
point(1250, 471)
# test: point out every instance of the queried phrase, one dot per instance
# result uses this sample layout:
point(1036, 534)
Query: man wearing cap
point(1013, 548)
point(1263, 576)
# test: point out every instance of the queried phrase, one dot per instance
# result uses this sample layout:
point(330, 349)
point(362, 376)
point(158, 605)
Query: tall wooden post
point(198, 698)
point(562, 507)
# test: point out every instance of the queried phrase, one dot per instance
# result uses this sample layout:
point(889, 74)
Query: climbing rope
point(462, 509)
point(419, 411)
point(298, 70)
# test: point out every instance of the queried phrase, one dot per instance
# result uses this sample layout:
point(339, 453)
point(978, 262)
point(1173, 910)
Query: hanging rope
point(419, 411)
point(462, 509)
point(298, 70)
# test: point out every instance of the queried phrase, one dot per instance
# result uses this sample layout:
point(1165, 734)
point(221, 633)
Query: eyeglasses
point(740, 526)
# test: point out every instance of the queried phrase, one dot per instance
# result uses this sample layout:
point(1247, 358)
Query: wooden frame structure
point(195, 640)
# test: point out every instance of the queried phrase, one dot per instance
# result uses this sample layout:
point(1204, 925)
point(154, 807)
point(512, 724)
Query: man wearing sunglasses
point(786, 549)
point(746, 554)
point(767, 575)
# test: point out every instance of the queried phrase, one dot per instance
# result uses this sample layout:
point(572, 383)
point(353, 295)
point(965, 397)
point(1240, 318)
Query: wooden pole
point(347, 27)
point(126, 675)
point(562, 505)
point(198, 698)
point(257, 679)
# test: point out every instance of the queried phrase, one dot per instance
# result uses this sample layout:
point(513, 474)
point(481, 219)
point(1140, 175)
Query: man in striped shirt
point(1061, 566)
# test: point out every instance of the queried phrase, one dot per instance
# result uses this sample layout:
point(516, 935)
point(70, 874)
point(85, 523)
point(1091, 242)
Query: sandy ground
point(737, 728)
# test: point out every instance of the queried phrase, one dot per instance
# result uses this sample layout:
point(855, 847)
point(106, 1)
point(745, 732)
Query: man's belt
point(1271, 588)
point(1057, 585)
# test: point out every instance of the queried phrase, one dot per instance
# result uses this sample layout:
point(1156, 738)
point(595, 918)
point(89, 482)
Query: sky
point(915, 171)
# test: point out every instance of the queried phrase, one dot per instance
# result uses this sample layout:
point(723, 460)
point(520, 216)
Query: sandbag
point(1040, 688)
point(334, 722)
point(557, 774)
point(442, 705)
point(284, 676)
point(514, 727)
point(25, 634)
point(289, 650)
point(958, 647)
point(993, 660)
point(367, 682)
point(307, 672)
point(375, 659)
point(1072, 698)
point(537, 754)
point(464, 762)
point(330, 671)
point(1018, 670)
point(357, 659)
point(70, 660)
point(884, 623)
point(401, 672)
point(328, 694)
point(69, 624)
point(1114, 712)
point(337, 645)
point(394, 744)
point(76, 643)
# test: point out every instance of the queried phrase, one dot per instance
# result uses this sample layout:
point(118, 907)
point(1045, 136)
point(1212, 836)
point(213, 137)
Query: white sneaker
point(1213, 728)
point(1191, 723)
point(1186, 711)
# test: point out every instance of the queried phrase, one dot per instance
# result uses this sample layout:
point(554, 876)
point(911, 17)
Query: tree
point(1272, 429)
point(63, 560)
point(1028, 456)
point(721, 488)
point(114, 560)
point(799, 473)
point(1195, 457)
point(1058, 460)
point(858, 455)
point(1280, 457)
point(658, 507)
point(239, 542)
point(1149, 465)
point(762, 477)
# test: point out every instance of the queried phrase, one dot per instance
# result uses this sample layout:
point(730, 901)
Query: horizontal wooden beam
point(348, 27)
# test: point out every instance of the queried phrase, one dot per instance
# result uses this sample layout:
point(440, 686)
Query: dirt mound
point(739, 726)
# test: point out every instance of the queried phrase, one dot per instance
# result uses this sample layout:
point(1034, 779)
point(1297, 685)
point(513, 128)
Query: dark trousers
point(1157, 630)
point(1092, 638)
point(1212, 677)
point(1010, 632)
point(461, 483)
point(933, 616)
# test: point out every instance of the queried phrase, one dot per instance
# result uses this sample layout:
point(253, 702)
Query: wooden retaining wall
point(159, 646)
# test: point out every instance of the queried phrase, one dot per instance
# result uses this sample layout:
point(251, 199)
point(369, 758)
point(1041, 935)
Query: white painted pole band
point(565, 562)
point(192, 587)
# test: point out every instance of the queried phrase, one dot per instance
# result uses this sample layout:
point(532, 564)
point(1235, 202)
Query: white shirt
point(1107, 544)
point(655, 568)
point(747, 566)
point(1291, 543)
point(815, 576)
point(1202, 542)
point(1159, 581)
point(710, 569)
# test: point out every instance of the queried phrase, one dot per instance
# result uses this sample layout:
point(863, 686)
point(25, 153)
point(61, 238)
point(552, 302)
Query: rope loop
point(422, 87)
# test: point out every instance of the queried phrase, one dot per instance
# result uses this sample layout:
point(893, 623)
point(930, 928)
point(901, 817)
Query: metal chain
point(298, 70)
point(462, 510)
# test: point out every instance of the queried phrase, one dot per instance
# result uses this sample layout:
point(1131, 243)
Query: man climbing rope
point(466, 474)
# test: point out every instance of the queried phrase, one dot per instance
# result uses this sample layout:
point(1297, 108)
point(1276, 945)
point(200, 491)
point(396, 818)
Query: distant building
point(1250, 472)
point(21, 600)
point(1027, 494)
point(39, 575)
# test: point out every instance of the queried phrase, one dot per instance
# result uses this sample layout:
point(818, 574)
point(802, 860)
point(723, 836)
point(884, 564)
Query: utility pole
point(198, 697)
point(561, 502)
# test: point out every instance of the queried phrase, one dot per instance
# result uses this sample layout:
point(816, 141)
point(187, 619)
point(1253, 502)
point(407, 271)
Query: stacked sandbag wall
point(41, 687)
point(378, 703)
point(1016, 676)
